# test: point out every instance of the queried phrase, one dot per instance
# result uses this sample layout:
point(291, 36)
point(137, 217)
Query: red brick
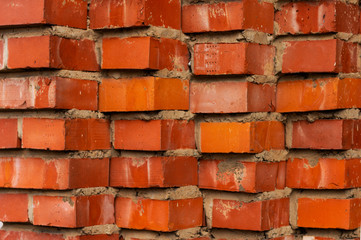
point(255, 216)
point(331, 55)
point(143, 94)
point(317, 17)
point(231, 97)
point(110, 14)
point(144, 53)
point(28, 235)
point(251, 137)
point(14, 207)
point(154, 135)
point(329, 213)
point(48, 92)
point(69, 134)
point(53, 174)
point(146, 172)
point(327, 134)
point(9, 133)
point(52, 52)
point(228, 16)
point(238, 176)
point(73, 212)
point(34, 12)
point(100, 237)
point(233, 58)
point(158, 215)
point(316, 95)
point(328, 173)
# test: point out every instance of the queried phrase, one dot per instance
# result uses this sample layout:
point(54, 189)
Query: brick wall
point(170, 119)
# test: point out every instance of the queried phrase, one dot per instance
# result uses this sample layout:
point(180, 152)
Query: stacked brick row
point(170, 119)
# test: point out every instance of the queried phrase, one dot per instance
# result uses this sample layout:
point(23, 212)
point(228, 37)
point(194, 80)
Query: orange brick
point(143, 94)
point(144, 53)
point(158, 215)
point(154, 135)
point(327, 134)
point(329, 213)
point(73, 212)
point(237, 137)
point(52, 52)
point(53, 174)
point(34, 12)
point(110, 14)
point(316, 95)
point(231, 97)
point(328, 173)
point(331, 55)
point(69, 134)
point(48, 92)
point(228, 16)
point(233, 58)
point(9, 133)
point(28, 235)
point(238, 176)
point(14, 207)
point(317, 17)
point(146, 172)
point(254, 216)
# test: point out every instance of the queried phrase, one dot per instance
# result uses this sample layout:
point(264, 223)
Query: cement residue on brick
point(93, 154)
point(128, 234)
point(101, 229)
point(272, 156)
point(188, 233)
point(236, 234)
point(182, 152)
point(229, 37)
point(279, 232)
point(242, 117)
point(180, 115)
point(95, 191)
point(75, 113)
point(152, 31)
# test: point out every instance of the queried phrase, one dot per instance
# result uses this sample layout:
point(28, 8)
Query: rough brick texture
point(180, 120)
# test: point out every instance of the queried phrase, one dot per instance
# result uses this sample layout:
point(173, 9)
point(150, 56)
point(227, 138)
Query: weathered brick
point(73, 212)
point(158, 215)
point(250, 137)
point(54, 173)
point(110, 14)
point(14, 207)
point(327, 134)
point(154, 135)
point(144, 53)
point(254, 216)
point(233, 58)
point(227, 16)
point(329, 213)
point(317, 95)
point(231, 97)
point(51, 52)
point(143, 94)
point(146, 172)
point(66, 134)
point(331, 55)
point(72, 13)
point(305, 17)
point(48, 92)
point(241, 176)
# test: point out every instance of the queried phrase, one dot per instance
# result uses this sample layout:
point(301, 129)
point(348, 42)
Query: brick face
point(180, 119)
